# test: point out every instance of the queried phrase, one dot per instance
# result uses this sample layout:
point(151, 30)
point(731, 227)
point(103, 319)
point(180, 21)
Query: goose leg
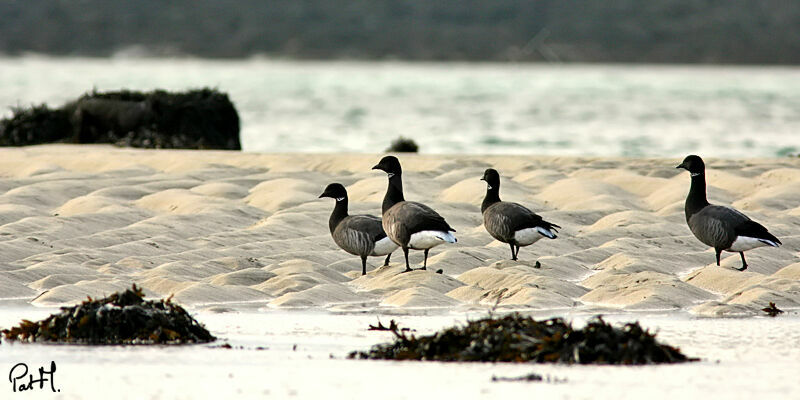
point(744, 263)
point(405, 252)
point(388, 256)
point(513, 255)
point(363, 265)
point(719, 251)
point(516, 254)
point(425, 262)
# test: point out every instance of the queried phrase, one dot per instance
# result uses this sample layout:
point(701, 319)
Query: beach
point(242, 240)
point(216, 228)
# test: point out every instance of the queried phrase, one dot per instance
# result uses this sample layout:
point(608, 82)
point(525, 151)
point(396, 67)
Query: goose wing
point(753, 229)
point(417, 217)
point(716, 226)
point(357, 234)
point(369, 224)
point(518, 217)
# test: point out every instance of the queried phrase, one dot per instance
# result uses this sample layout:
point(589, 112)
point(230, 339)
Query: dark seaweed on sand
point(772, 310)
point(122, 318)
point(403, 145)
point(195, 119)
point(34, 125)
point(516, 338)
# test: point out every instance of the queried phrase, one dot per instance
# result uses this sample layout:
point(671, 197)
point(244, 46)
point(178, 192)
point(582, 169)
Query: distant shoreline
point(277, 58)
point(629, 31)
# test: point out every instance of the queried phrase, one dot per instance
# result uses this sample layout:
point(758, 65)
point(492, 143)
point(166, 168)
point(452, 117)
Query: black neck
point(394, 193)
point(696, 199)
point(339, 213)
point(492, 196)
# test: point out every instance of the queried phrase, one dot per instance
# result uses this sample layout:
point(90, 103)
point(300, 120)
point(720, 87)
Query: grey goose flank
point(360, 235)
point(410, 224)
point(510, 222)
point(722, 228)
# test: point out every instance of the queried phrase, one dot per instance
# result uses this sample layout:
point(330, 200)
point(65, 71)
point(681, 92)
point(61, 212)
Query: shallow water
point(304, 356)
point(609, 110)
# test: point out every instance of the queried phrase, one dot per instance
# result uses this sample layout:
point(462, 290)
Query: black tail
point(755, 230)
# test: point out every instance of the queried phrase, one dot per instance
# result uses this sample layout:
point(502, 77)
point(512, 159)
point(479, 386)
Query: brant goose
point(510, 222)
point(409, 224)
point(360, 235)
point(722, 228)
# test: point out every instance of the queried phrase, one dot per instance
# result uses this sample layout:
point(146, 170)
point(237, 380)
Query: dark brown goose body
point(409, 224)
point(723, 228)
point(719, 227)
point(406, 221)
point(360, 235)
point(509, 222)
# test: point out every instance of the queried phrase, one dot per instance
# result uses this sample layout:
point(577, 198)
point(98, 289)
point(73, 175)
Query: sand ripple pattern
point(227, 230)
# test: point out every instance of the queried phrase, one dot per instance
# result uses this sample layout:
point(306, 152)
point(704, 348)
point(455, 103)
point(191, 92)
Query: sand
point(228, 229)
point(242, 241)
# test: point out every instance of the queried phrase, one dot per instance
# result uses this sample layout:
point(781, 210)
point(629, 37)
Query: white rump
point(427, 239)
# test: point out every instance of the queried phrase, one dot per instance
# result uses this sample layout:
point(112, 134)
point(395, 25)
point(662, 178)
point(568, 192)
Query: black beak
point(681, 166)
point(378, 166)
point(483, 178)
point(322, 195)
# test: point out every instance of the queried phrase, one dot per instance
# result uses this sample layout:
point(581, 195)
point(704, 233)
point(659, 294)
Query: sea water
point(536, 109)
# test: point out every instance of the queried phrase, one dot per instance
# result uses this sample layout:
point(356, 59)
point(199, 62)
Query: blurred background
point(557, 77)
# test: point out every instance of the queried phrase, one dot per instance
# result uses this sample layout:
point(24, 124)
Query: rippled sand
point(227, 229)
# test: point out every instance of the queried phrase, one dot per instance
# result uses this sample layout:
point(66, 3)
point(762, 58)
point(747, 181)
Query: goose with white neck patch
point(409, 224)
point(509, 222)
point(360, 235)
point(723, 228)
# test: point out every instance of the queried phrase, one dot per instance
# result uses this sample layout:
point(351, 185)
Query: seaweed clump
point(772, 310)
point(121, 318)
point(195, 119)
point(515, 338)
point(34, 125)
point(403, 145)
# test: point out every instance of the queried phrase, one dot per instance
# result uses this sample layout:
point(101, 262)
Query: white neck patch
point(489, 187)
point(339, 198)
point(696, 173)
point(391, 174)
